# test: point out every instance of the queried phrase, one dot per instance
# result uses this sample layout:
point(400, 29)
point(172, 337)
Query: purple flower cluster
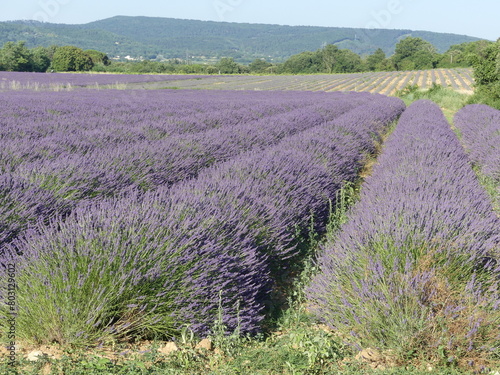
point(479, 125)
point(422, 203)
point(183, 251)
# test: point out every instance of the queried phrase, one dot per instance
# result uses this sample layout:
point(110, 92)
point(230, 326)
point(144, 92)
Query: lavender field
point(132, 214)
point(149, 210)
point(60, 81)
point(386, 83)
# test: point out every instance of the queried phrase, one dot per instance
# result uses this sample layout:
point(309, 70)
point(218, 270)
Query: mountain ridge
point(160, 37)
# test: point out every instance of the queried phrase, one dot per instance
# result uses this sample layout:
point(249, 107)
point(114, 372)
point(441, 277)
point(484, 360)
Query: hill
point(151, 37)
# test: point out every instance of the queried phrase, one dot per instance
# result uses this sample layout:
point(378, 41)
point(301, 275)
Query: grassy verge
point(448, 99)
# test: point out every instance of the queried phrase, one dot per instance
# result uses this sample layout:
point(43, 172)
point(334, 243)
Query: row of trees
point(410, 54)
point(17, 57)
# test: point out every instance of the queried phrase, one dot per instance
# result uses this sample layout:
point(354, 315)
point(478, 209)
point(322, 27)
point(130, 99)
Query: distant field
point(375, 82)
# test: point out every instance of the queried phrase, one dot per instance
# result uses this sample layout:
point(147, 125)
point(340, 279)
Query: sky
point(479, 18)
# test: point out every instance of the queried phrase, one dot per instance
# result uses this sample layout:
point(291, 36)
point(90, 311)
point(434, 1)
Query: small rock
point(169, 348)
point(51, 352)
point(369, 355)
point(205, 344)
point(34, 355)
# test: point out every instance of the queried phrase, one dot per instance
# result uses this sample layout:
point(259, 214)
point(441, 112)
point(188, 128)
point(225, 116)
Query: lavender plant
point(415, 269)
point(479, 126)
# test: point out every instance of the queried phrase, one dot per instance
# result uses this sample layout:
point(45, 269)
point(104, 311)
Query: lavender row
point(102, 117)
point(480, 128)
point(46, 79)
point(422, 210)
point(214, 243)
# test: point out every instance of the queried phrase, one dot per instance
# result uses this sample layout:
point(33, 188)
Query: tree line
point(410, 54)
point(18, 58)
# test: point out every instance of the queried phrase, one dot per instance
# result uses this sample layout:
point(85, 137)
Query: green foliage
point(260, 66)
point(305, 63)
point(487, 94)
point(458, 55)
point(375, 61)
point(97, 57)
point(15, 57)
point(40, 59)
point(448, 99)
point(415, 53)
point(71, 59)
point(227, 65)
point(486, 65)
point(329, 59)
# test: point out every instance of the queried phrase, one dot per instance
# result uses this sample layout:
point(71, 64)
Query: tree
point(330, 56)
point(15, 57)
point(458, 54)
point(40, 59)
point(98, 57)
point(71, 59)
point(259, 66)
point(227, 65)
point(374, 61)
point(348, 62)
point(486, 65)
point(305, 62)
point(415, 53)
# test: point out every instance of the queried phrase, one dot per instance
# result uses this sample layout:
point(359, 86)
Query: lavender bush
point(145, 264)
point(416, 268)
point(479, 126)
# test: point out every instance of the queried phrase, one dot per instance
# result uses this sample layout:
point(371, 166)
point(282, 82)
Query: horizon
point(460, 17)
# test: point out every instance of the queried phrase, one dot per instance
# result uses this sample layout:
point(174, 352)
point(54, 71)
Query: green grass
point(448, 99)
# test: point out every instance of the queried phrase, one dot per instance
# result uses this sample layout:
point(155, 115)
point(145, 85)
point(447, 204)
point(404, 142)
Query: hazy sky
point(479, 18)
